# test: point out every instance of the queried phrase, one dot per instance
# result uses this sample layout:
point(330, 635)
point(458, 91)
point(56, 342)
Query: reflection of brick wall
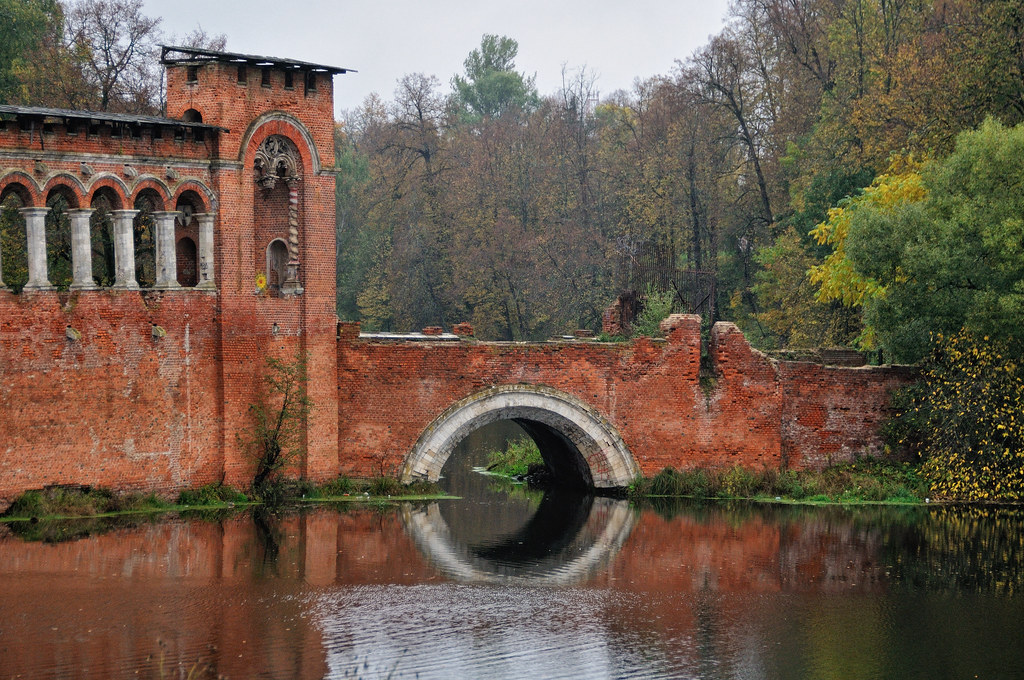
point(213, 590)
point(755, 414)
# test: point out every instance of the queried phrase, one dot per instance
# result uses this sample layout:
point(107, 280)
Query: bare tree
point(117, 42)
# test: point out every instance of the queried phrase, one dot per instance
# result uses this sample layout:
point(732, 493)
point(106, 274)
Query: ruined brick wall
point(116, 407)
point(754, 413)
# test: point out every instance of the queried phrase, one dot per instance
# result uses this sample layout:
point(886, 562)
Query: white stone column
point(35, 231)
point(166, 257)
point(81, 250)
point(206, 279)
point(124, 249)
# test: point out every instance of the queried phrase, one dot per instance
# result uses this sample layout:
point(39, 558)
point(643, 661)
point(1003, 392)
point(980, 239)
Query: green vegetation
point(965, 421)
point(516, 459)
point(657, 306)
point(278, 418)
point(865, 481)
point(81, 501)
point(71, 502)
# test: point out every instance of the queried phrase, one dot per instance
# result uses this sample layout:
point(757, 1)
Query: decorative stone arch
point(21, 185)
point(71, 187)
point(194, 206)
point(278, 165)
point(150, 185)
point(285, 125)
point(195, 192)
point(62, 217)
point(116, 186)
point(578, 444)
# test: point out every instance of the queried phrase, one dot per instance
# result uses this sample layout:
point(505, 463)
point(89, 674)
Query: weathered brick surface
point(116, 407)
point(754, 415)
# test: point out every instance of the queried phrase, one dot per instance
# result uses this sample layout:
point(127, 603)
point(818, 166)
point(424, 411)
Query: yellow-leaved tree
point(837, 278)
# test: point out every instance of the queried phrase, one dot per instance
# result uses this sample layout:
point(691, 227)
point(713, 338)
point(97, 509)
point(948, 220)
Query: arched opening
point(101, 233)
point(579, 446)
point(192, 116)
point(144, 236)
point(186, 236)
point(13, 238)
point(187, 262)
point(277, 261)
point(58, 236)
point(277, 212)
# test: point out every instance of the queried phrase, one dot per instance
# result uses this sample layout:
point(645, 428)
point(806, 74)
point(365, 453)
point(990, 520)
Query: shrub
point(211, 494)
point(517, 457)
point(967, 420)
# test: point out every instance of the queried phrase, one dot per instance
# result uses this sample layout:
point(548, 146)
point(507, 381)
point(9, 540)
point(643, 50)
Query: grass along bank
point(867, 480)
point(73, 502)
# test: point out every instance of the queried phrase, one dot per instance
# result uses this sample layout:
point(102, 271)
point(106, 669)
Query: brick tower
point(273, 172)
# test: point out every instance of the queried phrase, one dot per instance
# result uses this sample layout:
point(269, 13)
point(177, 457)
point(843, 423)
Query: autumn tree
point(117, 43)
point(24, 25)
point(491, 84)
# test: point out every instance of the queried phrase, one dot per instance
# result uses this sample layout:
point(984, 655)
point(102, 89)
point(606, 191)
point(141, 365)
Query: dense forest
point(736, 186)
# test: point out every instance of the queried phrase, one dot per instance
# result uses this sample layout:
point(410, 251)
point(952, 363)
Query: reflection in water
point(556, 552)
point(598, 590)
point(498, 534)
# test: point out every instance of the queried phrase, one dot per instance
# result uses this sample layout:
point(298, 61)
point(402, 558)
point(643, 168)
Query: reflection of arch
point(578, 444)
point(583, 553)
point(187, 262)
point(277, 261)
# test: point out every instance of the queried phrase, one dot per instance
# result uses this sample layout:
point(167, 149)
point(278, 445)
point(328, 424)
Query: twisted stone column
point(291, 285)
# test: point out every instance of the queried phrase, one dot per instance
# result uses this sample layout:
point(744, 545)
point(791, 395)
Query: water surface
point(509, 584)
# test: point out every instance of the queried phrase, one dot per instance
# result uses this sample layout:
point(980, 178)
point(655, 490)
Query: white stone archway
point(577, 442)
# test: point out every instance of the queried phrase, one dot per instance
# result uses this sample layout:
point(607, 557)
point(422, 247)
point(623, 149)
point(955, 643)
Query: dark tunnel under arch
point(579, 445)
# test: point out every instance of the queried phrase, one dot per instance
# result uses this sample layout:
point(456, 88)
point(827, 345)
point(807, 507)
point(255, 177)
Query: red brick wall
point(754, 415)
point(116, 407)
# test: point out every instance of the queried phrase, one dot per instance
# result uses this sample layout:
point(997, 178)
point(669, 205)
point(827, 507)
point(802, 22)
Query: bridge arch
point(579, 445)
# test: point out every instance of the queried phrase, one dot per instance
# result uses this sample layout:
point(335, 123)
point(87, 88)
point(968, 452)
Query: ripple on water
point(445, 631)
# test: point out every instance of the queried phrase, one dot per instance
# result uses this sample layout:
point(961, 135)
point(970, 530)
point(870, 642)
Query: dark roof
point(170, 54)
point(123, 118)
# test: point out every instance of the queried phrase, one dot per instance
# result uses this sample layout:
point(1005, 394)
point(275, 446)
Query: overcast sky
point(619, 41)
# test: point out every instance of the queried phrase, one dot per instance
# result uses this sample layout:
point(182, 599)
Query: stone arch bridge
point(602, 413)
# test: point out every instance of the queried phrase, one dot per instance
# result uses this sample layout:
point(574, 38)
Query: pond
point(511, 583)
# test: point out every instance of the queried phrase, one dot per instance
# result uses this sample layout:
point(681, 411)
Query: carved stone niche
point(276, 158)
